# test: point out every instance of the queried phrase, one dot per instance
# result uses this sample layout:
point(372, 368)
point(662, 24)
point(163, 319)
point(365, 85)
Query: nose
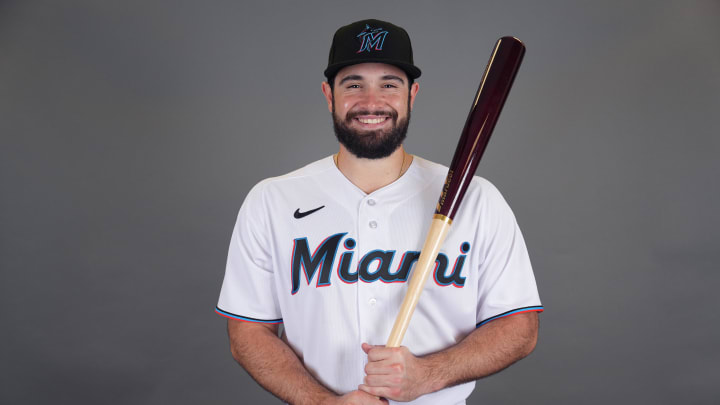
point(373, 99)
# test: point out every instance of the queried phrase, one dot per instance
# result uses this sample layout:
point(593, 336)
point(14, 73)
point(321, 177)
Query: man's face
point(371, 105)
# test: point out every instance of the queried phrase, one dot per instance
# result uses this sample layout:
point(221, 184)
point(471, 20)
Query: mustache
point(389, 113)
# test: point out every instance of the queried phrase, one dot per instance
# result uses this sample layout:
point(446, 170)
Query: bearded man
point(327, 250)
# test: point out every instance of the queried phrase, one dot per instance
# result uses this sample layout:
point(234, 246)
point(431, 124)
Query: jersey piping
point(538, 308)
point(245, 318)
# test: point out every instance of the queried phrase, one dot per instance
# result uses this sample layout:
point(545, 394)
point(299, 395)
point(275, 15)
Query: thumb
point(366, 348)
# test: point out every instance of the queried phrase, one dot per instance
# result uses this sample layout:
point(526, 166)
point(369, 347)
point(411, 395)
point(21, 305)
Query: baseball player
point(327, 251)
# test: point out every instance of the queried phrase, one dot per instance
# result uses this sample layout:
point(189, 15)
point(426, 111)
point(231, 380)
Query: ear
point(327, 91)
point(413, 92)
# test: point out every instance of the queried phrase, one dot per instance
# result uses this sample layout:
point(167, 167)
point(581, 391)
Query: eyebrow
point(393, 77)
point(358, 77)
point(350, 77)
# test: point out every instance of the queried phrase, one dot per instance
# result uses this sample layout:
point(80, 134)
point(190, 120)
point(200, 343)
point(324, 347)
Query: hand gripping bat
point(489, 100)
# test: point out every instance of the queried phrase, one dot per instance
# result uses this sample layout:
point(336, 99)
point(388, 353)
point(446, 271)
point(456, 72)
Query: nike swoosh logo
point(299, 214)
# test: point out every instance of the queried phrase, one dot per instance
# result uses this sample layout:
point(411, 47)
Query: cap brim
point(411, 70)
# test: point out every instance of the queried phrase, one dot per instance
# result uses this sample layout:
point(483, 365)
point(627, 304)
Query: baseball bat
point(489, 100)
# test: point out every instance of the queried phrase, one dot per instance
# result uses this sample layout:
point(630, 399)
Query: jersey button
point(372, 302)
point(371, 202)
point(373, 224)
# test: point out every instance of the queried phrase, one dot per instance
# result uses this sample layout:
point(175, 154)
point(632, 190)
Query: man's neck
point(373, 174)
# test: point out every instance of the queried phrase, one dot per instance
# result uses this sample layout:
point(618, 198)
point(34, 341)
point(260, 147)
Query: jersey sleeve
point(506, 284)
point(248, 291)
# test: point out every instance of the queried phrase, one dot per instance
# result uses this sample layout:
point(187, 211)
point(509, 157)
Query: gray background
point(130, 132)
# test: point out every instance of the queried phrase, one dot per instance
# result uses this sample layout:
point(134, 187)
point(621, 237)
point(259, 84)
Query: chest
point(369, 243)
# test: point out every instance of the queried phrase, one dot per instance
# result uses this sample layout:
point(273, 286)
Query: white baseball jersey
point(314, 252)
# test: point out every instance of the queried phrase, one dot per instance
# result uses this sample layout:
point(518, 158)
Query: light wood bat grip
point(439, 228)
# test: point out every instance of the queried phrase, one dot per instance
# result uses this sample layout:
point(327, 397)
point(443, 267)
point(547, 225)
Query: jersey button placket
point(373, 223)
point(368, 241)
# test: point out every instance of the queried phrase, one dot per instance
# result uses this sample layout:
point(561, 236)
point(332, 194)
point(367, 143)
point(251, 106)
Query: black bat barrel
point(489, 100)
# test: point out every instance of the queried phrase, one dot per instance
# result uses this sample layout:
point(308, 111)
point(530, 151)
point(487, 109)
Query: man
point(327, 250)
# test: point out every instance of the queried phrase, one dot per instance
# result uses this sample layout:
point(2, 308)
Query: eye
point(353, 86)
point(389, 86)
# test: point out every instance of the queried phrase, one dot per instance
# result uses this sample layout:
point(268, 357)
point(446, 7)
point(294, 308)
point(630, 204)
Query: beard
point(376, 144)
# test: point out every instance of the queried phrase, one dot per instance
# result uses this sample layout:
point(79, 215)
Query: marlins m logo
point(372, 39)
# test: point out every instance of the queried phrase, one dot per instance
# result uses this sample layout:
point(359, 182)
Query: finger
point(386, 366)
point(377, 391)
point(381, 352)
point(366, 347)
point(367, 398)
point(382, 381)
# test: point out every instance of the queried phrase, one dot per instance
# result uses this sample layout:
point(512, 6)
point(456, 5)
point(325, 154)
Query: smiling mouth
point(367, 120)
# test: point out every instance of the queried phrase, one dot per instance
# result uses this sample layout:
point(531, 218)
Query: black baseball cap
point(371, 41)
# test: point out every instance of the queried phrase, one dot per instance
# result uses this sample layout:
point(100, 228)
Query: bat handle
point(439, 228)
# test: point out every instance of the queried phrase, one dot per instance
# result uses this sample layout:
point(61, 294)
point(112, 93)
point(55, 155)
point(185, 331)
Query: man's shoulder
point(318, 168)
point(434, 170)
point(428, 165)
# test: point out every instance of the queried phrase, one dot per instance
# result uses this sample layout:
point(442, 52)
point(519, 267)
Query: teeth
point(372, 120)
